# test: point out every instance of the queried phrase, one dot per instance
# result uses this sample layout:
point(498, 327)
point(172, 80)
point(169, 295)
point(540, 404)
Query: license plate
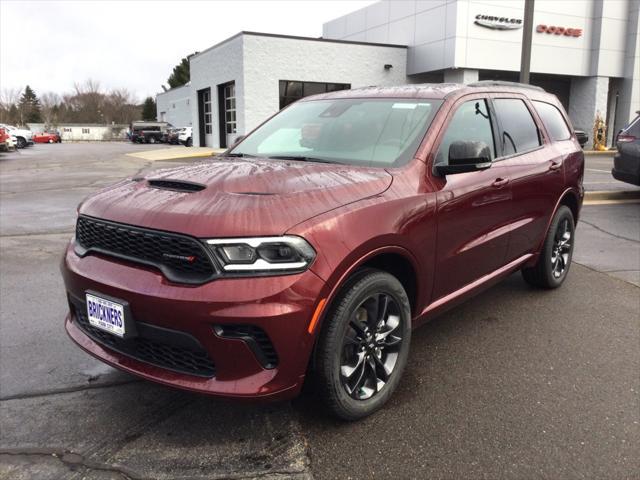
point(106, 315)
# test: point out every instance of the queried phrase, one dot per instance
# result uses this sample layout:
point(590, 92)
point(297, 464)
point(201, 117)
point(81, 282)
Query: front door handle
point(500, 182)
point(555, 166)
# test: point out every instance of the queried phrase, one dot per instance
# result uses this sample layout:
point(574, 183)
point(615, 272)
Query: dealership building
point(584, 51)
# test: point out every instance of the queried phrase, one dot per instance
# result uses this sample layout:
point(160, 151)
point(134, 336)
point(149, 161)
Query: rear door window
point(519, 130)
point(553, 121)
point(470, 122)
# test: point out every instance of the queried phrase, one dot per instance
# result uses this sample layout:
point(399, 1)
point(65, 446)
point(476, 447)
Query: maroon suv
point(319, 241)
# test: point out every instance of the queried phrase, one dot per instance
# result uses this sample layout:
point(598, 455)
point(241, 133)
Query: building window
point(290, 91)
point(66, 130)
point(230, 108)
point(85, 130)
point(206, 102)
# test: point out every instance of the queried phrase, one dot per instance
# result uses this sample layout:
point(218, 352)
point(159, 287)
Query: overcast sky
point(49, 45)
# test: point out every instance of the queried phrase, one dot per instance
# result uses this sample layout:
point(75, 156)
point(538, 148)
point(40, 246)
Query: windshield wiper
point(301, 158)
point(240, 155)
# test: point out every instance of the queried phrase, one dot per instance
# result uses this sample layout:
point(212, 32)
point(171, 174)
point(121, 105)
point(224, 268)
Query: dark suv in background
point(626, 162)
point(314, 246)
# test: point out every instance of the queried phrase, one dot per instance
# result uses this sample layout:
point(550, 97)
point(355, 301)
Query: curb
point(599, 152)
point(175, 153)
point(619, 196)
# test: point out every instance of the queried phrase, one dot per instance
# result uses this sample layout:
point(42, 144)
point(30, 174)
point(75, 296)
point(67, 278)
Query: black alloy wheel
point(554, 261)
point(363, 344)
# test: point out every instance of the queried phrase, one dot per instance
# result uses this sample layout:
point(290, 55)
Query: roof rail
point(502, 83)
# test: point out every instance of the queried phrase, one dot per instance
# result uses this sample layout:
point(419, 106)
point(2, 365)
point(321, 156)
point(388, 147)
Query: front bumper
point(281, 307)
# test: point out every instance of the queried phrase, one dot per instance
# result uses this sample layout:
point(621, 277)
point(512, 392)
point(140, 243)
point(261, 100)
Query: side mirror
point(466, 156)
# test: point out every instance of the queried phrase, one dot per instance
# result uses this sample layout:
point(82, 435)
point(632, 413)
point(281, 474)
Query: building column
point(460, 75)
point(587, 98)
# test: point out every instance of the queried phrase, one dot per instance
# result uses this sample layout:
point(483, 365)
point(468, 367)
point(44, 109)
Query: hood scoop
point(176, 185)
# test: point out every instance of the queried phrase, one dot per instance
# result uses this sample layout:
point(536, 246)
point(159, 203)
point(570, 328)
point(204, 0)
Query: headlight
point(263, 254)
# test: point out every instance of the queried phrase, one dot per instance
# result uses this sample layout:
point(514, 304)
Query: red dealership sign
point(552, 29)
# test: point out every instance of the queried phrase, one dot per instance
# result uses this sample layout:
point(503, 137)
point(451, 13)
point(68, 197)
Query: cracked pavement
point(516, 383)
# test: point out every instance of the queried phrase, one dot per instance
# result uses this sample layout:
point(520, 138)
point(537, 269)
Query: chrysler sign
point(498, 23)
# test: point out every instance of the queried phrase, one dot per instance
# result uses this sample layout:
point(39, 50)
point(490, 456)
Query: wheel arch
point(394, 260)
point(570, 199)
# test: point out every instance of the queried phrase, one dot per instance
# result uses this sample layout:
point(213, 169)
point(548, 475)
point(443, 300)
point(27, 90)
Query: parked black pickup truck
point(149, 132)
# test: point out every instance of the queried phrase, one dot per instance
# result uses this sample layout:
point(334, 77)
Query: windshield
point(370, 132)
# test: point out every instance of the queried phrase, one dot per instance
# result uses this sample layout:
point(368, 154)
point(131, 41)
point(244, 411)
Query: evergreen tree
point(29, 106)
point(181, 73)
point(149, 109)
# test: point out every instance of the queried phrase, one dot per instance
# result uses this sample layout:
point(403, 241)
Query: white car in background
point(186, 136)
point(22, 137)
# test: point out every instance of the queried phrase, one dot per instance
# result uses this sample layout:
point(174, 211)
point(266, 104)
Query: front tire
point(189, 142)
point(363, 345)
point(152, 140)
point(555, 257)
point(21, 142)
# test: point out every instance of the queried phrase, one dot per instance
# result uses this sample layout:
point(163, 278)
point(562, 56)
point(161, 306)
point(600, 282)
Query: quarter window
point(471, 122)
point(553, 121)
point(519, 130)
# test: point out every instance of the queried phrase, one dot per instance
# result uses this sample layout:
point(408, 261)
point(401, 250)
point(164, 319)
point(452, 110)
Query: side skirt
point(443, 304)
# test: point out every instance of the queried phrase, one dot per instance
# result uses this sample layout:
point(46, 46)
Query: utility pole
point(527, 32)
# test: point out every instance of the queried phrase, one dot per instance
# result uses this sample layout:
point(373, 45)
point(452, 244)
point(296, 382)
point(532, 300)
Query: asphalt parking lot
point(517, 383)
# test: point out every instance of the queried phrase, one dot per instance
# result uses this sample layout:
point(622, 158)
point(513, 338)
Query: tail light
point(624, 138)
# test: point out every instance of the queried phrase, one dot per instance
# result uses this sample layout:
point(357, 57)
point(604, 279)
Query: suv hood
point(237, 197)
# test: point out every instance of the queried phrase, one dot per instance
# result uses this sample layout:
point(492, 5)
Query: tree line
point(86, 103)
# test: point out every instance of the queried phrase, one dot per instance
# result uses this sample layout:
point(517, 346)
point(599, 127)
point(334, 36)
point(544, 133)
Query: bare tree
point(9, 99)
point(85, 103)
point(50, 103)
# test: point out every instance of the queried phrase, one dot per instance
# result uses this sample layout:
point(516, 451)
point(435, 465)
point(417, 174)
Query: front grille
point(181, 258)
point(257, 340)
point(170, 353)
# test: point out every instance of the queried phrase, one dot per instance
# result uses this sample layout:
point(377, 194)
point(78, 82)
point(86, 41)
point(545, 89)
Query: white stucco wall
point(219, 64)
point(442, 34)
point(258, 62)
point(588, 97)
point(176, 106)
point(268, 60)
point(629, 101)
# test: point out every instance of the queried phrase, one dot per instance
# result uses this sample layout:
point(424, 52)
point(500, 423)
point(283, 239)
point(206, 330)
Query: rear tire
point(189, 142)
point(152, 140)
point(21, 142)
point(51, 140)
point(363, 345)
point(555, 257)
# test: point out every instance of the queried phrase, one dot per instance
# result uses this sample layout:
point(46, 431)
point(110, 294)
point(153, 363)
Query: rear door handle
point(555, 166)
point(500, 182)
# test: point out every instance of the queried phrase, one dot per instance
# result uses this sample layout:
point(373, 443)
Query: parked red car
point(319, 241)
point(4, 136)
point(47, 137)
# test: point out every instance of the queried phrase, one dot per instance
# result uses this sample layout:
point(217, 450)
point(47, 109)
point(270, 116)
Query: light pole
point(527, 32)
